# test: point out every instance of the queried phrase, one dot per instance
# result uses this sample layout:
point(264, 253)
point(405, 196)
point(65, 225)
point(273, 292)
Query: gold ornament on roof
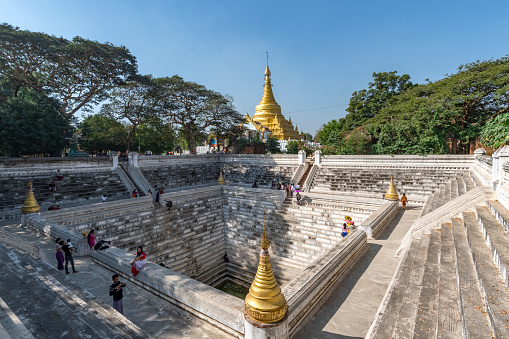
point(220, 181)
point(392, 194)
point(30, 205)
point(265, 302)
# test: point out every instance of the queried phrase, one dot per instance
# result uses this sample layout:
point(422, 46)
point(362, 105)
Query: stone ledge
point(309, 290)
point(220, 309)
point(378, 221)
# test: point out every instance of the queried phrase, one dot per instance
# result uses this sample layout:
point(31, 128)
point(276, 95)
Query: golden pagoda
point(220, 181)
point(392, 194)
point(30, 205)
point(268, 113)
point(265, 302)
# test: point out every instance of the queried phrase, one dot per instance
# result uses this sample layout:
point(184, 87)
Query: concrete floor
point(152, 314)
point(350, 310)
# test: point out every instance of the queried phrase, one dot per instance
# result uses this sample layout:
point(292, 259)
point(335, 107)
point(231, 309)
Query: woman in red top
point(138, 261)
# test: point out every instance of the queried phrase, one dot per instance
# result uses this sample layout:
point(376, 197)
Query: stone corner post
point(133, 159)
point(500, 157)
point(318, 157)
point(114, 160)
point(302, 157)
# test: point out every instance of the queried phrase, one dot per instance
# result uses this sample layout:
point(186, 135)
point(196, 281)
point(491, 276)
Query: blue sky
point(320, 52)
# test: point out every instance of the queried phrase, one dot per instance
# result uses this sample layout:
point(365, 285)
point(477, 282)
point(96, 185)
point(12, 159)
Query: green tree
point(156, 136)
point(132, 103)
point(496, 132)
point(272, 145)
point(30, 124)
point(292, 147)
point(79, 73)
point(424, 118)
point(196, 109)
point(102, 133)
point(367, 103)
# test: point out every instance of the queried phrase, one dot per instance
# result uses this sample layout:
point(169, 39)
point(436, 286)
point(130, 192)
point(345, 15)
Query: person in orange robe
point(404, 201)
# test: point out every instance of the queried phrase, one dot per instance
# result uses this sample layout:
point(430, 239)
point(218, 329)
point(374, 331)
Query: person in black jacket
point(68, 257)
point(116, 292)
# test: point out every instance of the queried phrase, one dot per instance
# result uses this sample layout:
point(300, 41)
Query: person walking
point(404, 201)
point(59, 254)
point(68, 257)
point(116, 293)
point(91, 239)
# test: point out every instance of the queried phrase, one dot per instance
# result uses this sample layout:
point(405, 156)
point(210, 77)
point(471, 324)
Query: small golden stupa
point(220, 181)
point(265, 302)
point(392, 194)
point(30, 205)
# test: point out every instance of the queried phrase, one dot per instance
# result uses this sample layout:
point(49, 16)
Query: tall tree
point(367, 103)
point(79, 73)
point(30, 124)
point(196, 109)
point(133, 103)
point(101, 133)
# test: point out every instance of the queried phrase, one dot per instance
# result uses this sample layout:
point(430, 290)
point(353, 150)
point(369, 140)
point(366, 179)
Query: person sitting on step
point(138, 262)
point(52, 187)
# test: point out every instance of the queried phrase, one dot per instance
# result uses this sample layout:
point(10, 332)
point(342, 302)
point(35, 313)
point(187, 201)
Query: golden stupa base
point(391, 196)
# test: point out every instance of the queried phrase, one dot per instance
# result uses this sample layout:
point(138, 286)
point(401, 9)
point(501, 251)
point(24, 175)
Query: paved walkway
point(350, 310)
point(152, 314)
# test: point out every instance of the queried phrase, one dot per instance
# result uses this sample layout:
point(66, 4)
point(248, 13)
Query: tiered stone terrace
point(453, 280)
point(417, 177)
point(82, 181)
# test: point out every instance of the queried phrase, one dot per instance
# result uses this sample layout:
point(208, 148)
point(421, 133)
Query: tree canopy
point(30, 124)
point(196, 109)
point(403, 118)
point(78, 73)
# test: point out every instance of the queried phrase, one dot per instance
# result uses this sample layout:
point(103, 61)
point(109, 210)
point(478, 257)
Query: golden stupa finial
point(267, 70)
point(392, 194)
point(30, 205)
point(265, 302)
point(220, 181)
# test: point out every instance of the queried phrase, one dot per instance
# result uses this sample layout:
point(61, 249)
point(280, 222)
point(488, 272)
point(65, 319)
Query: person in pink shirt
point(91, 239)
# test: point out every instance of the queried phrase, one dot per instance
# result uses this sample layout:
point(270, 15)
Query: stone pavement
point(350, 310)
point(153, 315)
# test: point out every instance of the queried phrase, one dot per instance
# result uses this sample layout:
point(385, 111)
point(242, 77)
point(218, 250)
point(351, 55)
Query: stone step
point(406, 284)
point(500, 213)
point(407, 313)
point(67, 288)
point(44, 306)
point(475, 322)
point(494, 291)
point(427, 311)
point(496, 239)
point(449, 315)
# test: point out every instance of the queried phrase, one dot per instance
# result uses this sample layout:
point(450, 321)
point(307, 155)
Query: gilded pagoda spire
point(30, 205)
point(220, 181)
point(265, 302)
point(268, 101)
point(392, 194)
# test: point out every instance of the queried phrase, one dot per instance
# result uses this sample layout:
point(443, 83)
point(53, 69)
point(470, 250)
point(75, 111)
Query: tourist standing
point(91, 239)
point(138, 262)
point(59, 254)
point(68, 257)
point(404, 201)
point(116, 293)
